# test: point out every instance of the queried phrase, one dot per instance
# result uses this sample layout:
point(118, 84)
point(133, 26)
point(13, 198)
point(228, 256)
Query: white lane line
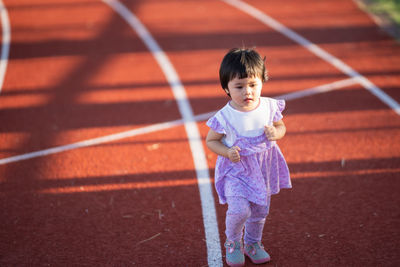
point(319, 89)
point(6, 39)
point(214, 255)
point(337, 63)
point(93, 142)
point(164, 126)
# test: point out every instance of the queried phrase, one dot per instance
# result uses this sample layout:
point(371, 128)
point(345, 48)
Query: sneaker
point(234, 253)
point(256, 253)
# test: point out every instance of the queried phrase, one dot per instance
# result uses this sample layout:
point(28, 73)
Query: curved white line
point(313, 48)
point(196, 146)
point(6, 39)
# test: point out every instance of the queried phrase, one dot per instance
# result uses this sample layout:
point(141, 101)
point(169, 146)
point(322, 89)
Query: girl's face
point(245, 93)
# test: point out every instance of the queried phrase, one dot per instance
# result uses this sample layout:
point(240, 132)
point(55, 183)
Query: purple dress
point(262, 170)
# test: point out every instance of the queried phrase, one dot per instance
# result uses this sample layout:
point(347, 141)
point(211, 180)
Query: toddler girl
point(250, 166)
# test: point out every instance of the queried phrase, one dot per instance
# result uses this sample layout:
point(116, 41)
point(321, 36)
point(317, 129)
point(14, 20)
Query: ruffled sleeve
point(214, 124)
point(281, 106)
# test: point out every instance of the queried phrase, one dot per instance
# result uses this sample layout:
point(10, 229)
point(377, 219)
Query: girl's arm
point(214, 143)
point(275, 132)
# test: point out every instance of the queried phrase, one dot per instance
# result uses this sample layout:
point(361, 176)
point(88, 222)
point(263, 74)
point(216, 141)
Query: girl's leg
point(255, 224)
point(236, 216)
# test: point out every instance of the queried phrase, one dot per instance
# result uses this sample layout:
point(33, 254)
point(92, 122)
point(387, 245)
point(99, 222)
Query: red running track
point(77, 71)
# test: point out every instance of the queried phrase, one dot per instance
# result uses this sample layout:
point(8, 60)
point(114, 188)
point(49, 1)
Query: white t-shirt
point(249, 123)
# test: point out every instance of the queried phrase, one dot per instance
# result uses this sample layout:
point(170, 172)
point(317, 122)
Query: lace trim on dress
point(281, 106)
point(214, 124)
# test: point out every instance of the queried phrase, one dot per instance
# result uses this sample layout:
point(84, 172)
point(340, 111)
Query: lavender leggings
point(244, 214)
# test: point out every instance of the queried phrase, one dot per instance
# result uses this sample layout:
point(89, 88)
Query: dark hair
point(241, 63)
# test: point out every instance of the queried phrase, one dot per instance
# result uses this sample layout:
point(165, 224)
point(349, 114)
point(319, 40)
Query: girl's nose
point(248, 90)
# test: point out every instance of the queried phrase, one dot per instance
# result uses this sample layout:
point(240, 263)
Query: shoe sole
point(260, 261)
point(235, 264)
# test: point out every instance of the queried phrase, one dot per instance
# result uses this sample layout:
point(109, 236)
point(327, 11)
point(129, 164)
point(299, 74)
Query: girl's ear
point(226, 91)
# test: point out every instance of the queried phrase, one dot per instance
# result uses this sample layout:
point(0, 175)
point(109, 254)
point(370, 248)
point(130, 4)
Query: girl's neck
point(240, 109)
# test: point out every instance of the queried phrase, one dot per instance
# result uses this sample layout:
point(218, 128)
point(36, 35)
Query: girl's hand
point(271, 133)
point(213, 141)
point(233, 154)
point(275, 132)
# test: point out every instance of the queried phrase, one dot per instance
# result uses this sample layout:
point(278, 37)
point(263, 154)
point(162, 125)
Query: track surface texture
point(77, 70)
